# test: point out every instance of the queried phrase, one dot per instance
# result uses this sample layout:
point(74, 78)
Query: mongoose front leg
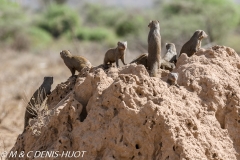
point(199, 44)
point(105, 65)
point(117, 62)
point(123, 60)
point(105, 62)
point(72, 71)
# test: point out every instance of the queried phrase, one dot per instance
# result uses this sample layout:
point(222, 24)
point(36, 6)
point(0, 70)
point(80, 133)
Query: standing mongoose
point(154, 48)
point(37, 99)
point(114, 54)
point(74, 62)
point(194, 44)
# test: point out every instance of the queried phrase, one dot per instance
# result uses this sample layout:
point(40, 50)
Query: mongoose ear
point(150, 23)
point(166, 44)
point(118, 43)
point(204, 34)
point(158, 21)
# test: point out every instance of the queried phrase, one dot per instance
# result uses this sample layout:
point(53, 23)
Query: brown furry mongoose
point(168, 60)
point(194, 44)
point(167, 65)
point(154, 48)
point(114, 54)
point(142, 59)
point(172, 79)
point(74, 62)
point(171, 54)
point(37, 99)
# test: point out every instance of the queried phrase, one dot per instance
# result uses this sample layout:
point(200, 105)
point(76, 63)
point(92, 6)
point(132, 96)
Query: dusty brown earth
point(123, 114)
point(21, 75)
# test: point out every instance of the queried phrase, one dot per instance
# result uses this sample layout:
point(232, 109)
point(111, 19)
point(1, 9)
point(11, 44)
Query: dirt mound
point(125, 114)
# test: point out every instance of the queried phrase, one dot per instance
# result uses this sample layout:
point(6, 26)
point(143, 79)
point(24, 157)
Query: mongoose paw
point(73, 76)
point(177, 85)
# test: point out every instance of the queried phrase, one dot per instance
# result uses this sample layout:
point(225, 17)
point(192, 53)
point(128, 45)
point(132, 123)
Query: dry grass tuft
point(39, 109)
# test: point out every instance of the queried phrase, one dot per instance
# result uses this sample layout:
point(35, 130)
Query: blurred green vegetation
point(98, 34)
point(12, 21)
point(59, 19)
point(132, 24)
point(217, 18)
point(22, 29)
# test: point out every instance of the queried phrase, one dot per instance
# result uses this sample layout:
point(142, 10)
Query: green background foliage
point(58, 19)
point(23, 30)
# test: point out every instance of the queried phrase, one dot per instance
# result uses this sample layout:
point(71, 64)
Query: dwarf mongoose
point(194, 44)
point(169, 59)
point(74, 62)
point(171, 54)
point(154, 48)
point(37, 99)
point(114, 54)
point(172, 79)
point(167, 65)
point(142, 59)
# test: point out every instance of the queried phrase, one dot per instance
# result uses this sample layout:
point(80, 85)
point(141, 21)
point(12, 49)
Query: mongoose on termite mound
point(172, 79)
point(114, 54)
point(142, 59)
point(37, 99)
point(171, 54)
point(74, 62)
point(167, 65)
point(168, 60)
point(154, 48)
point(194, 44)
